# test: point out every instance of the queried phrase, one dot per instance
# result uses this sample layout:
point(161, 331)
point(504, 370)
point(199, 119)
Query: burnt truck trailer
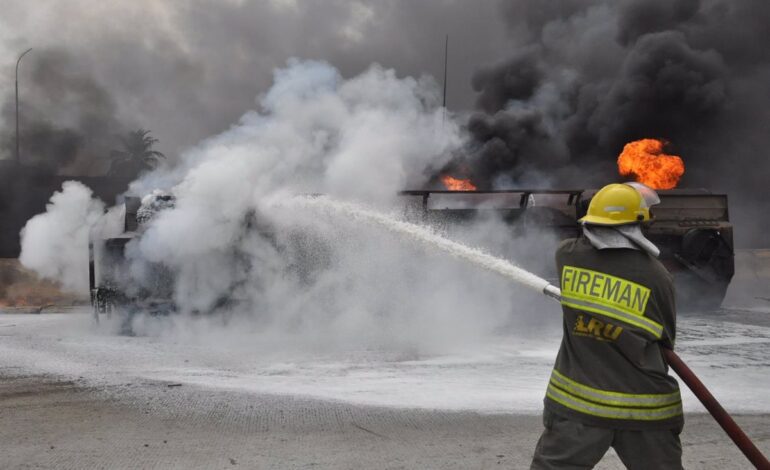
point(691, 227)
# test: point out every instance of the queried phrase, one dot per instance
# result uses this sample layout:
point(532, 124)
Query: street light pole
point(18, 159)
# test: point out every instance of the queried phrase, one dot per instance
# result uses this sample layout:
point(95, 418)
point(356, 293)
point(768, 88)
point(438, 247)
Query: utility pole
point(18, 159)
point(446, 58)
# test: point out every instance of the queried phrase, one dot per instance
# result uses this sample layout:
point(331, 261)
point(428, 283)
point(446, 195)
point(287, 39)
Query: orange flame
point(456, 184)
point(645, 161)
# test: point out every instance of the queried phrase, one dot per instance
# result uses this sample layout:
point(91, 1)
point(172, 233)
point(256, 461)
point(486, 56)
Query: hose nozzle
point(552, 291)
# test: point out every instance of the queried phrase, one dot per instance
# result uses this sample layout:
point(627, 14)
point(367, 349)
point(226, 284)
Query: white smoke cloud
point(315, 132)
point(55, 244)
point(362, 139)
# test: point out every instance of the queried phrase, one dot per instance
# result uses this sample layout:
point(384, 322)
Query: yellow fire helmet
point(620, 204)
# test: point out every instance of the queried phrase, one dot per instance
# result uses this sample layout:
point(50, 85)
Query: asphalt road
point(57, 424)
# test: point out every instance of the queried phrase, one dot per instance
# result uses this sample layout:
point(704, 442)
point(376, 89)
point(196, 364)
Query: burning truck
point(691, 227)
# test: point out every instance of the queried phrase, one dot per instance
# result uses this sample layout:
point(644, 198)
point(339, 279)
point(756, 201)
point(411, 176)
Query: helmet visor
point(649, 196)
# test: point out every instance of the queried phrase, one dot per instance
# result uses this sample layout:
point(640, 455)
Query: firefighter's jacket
point(618, 312)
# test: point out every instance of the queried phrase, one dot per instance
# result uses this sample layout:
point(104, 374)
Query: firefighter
point(610, 385)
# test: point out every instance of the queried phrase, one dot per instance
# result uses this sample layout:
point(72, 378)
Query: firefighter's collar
point(621, 236)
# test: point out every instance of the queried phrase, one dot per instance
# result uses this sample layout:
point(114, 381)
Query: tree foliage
point(137, 154)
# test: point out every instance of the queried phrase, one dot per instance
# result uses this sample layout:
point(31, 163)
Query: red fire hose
point(720, 415)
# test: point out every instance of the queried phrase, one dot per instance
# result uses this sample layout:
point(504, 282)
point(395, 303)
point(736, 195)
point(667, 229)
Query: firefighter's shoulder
point(567, 245)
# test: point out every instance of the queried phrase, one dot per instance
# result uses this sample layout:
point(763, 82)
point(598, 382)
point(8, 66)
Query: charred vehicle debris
point(118, 284)
point(109, 284)
point(691, 228)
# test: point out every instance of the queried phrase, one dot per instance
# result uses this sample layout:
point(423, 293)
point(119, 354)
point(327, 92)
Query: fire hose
point(708, 400)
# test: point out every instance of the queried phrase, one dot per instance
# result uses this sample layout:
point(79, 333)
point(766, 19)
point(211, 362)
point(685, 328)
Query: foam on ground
point(508, 374)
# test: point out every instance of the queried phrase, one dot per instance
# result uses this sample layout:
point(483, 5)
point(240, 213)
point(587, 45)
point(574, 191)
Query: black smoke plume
point(589, 76)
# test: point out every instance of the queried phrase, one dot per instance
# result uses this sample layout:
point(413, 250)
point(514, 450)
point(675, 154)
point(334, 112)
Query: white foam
point(507, 374)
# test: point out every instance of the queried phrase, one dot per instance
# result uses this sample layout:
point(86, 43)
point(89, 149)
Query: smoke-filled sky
point(549, 90)
point(188, 69)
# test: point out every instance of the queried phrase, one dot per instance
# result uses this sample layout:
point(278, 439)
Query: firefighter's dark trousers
point(567, 444)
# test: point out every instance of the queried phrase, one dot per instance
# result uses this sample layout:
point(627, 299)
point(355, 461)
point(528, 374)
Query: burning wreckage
point(691, 228)
point(118, 285)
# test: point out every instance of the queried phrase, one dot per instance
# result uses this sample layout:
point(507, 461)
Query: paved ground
point(46, 423)
point(72, 396)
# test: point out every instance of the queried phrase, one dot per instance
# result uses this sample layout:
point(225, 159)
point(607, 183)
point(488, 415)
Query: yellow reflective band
point(600, 288)
point(654, 328)
point(613, 398)
point(593, 409)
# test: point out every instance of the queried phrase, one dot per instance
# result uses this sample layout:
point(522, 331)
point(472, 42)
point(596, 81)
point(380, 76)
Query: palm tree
point(137, 154)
